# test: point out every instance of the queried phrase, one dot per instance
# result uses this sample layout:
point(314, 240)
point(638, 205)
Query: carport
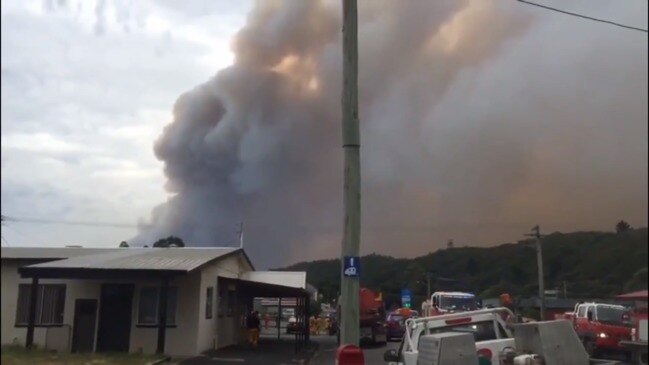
point(248, 290)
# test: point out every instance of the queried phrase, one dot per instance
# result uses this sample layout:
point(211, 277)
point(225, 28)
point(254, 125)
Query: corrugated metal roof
point(177, 259)
point(640, 294)
point(50, 252)
point(296, 279)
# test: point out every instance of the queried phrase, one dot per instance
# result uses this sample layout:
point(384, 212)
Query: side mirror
point(391, 356)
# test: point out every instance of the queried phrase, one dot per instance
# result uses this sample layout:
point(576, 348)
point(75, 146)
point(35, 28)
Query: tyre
point(591, 348)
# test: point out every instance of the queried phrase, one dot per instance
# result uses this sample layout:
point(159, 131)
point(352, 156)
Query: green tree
point(123, 244)
point(622, 227)
point(471, 267)
point(639, 281)
point(170, 241)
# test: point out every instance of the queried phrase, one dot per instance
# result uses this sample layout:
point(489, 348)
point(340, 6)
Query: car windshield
point(481, 331)
point(459, 303)
point(396, 318)
point(612, 315)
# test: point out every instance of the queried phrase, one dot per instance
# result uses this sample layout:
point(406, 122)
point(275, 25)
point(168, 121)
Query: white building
point(109, 299)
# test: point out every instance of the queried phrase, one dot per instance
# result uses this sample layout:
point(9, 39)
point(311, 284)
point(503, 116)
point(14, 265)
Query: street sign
point(352, 266)
point(406, 298)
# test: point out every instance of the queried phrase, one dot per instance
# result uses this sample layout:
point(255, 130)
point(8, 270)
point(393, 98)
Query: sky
point(479, 120)
point(87, 86)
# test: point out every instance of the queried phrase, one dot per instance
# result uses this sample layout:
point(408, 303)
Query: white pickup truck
point(492, 335)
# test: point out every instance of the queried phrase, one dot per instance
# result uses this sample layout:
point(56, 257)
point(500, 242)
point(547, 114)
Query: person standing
point(252, 324)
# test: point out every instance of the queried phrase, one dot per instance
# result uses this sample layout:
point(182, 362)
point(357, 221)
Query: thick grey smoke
point(479, 119)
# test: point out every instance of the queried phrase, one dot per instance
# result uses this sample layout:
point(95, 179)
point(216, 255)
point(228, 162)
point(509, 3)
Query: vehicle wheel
point(590, 347)
point(628, 356)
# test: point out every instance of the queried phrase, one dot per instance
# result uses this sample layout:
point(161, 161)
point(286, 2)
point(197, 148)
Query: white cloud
point(85, 92)
point(39, 142)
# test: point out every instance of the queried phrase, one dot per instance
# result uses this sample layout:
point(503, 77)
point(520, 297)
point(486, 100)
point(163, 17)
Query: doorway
point(115, 311)
point(83, 332)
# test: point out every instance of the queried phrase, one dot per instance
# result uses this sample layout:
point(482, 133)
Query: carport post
point(162, 315)
point(33, 293)
point(279, 317)
point(307, 314)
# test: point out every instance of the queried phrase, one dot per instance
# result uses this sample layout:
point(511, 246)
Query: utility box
point(447, 348)
point(556, 341)
point(642, 330)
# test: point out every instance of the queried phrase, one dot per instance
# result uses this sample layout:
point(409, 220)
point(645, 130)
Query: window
point(481, 331)
point(148, 306)
point(581, 311)
point(50, 303)
point(209, 309)
point(589, 312)
point(610, 314)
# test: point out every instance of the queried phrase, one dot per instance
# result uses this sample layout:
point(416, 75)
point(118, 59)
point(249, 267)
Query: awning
point(266, 290)
point(636, 295)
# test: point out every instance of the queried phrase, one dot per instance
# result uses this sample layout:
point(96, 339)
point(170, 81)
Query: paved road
point(327, 352)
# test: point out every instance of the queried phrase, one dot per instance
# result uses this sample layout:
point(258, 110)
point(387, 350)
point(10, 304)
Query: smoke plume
point(479, 119)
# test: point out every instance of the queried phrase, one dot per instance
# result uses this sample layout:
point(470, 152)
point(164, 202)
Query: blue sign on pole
point(406, 298)
point(352, 266)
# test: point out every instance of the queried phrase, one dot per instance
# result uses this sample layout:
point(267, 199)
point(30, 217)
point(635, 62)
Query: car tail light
point(486, 353)
point(458, 320)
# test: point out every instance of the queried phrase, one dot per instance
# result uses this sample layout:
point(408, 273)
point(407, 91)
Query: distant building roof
point(636, 295)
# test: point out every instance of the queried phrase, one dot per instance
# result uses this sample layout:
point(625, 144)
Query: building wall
point(75, 289)
point(192, 334)
point(218, 332)
point(179, 340)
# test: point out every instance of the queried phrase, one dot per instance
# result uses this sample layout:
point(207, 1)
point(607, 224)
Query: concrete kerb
point(160, 361)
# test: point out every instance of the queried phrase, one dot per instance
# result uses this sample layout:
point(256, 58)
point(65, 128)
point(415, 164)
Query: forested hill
point(590, 264)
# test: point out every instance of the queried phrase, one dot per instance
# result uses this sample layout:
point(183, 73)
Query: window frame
point(170, 299)
point(209, 302)
point(58, 300)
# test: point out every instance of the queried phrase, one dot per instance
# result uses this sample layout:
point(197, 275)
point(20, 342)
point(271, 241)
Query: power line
point(583, 16)
point(72, 223)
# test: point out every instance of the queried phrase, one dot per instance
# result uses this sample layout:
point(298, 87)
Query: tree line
point(583, 264)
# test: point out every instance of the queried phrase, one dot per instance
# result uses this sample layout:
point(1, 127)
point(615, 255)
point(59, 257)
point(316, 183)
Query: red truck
point(637, 346)
point(372, 318)
point(601, 327)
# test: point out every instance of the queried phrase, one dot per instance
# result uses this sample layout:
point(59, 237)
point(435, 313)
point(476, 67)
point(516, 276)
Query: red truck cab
point(371, 317)
point(601, 327)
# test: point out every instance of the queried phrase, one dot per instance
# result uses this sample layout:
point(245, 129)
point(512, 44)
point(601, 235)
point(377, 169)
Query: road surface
point(327, 353)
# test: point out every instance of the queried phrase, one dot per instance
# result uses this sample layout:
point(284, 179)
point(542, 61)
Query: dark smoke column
point(350, 324)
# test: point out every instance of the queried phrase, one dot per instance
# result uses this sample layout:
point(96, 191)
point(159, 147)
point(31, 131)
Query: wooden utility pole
point(349, 285)
point(539, 262)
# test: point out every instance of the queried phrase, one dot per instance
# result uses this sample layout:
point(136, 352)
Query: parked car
point(395, 322)
point(396, 326)
point(491, 334)
point(292, 326)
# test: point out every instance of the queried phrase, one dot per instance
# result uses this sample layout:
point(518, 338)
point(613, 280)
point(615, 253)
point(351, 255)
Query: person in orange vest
point(507, 302)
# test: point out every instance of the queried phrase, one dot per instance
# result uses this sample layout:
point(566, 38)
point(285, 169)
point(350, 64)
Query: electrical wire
point(73, 223)
point(583, 16)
